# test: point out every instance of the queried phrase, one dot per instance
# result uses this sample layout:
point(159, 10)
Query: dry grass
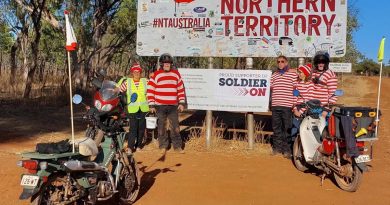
point(46, 91)
point(39, 88)
point(237, 145)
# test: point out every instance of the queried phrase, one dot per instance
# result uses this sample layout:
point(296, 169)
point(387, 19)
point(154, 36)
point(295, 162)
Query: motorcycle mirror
point(296, 93)
point(339, 93)
point(77, 99)
point(133, 97)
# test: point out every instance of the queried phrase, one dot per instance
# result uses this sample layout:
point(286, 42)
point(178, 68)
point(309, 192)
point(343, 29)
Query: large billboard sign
point(241, 28)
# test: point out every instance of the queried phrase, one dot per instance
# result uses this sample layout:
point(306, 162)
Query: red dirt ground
point(217, 178)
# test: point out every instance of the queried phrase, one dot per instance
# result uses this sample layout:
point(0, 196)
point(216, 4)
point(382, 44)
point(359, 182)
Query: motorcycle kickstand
point(323, 178)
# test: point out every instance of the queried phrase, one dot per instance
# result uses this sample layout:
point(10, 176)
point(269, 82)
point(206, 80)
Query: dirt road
point(220, 178)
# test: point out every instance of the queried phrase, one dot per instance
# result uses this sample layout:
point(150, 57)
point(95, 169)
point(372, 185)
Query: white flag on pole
point(71, 42)
point(71, 45)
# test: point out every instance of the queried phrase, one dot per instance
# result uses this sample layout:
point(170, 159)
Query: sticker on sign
point(341, 67)
point(29, 180)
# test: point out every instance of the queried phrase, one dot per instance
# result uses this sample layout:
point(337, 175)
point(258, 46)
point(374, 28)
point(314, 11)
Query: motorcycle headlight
point(98, 104)
point(106, 108)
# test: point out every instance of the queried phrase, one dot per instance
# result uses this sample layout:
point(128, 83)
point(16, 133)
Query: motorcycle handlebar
point(94, 116)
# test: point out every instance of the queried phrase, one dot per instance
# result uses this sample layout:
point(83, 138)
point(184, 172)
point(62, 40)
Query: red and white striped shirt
point(166, 88)
point(282, 86)
point(326, 87)
point(305, 91)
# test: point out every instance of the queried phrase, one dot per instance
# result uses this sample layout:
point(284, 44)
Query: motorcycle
point(98, 171)
point(326, 144)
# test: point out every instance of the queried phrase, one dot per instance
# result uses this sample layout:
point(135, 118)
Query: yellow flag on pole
point(381, 50)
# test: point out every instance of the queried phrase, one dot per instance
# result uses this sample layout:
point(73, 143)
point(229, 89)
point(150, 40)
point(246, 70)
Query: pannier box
point(363, 122)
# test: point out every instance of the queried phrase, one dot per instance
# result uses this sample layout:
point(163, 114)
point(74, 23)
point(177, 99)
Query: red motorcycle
point(99, 170)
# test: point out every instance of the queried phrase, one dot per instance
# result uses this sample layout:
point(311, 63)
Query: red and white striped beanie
point(136, 68)
point(306, 69)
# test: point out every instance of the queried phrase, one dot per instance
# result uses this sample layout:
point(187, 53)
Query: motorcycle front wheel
point(298, 158)
point(352, 182)
point(129, 184)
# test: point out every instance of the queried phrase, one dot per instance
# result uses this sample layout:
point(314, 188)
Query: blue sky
point(374, 19)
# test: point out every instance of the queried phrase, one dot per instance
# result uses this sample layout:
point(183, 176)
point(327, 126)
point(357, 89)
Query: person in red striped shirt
point(305, 87)
point(282, 101)
point(325, 81)
point(166, 96)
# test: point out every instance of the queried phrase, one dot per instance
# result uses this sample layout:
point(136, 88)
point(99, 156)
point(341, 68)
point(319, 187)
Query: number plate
point(362, 158)
point(29, 180)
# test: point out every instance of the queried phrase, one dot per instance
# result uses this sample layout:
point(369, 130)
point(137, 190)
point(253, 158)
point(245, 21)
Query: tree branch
point(47, 16)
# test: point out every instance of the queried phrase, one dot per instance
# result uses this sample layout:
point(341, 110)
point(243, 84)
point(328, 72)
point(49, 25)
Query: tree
point(6, 41)
point(368, 67)
point(352, 55)
point(36, 16)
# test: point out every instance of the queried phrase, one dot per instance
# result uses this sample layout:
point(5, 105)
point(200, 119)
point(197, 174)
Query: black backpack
point(53, 147)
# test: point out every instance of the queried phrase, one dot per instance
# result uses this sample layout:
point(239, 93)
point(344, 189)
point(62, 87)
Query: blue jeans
point(296, 123)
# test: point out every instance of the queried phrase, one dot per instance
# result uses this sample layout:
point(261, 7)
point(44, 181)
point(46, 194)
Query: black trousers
point(164, 113)
point(137, 129)
point(281, 125)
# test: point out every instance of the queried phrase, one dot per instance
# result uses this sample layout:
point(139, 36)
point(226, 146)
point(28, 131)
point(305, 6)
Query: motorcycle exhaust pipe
point(331, 165)
point(76, 165)
point(342, 171)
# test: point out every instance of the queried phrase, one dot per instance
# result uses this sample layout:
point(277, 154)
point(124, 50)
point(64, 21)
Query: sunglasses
point(281, 61)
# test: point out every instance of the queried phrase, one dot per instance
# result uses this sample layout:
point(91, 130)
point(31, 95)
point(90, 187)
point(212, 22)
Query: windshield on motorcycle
point(109, 90)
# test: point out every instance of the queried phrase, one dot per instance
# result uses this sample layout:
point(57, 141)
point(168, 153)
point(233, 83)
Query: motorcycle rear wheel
point(298, 158)
point(352, 183)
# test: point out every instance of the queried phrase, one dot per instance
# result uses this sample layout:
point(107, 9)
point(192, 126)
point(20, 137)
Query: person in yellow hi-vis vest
point(137, 110)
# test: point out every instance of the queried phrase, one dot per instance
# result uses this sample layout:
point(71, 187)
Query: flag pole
point(378, 100)
point(71, 103)
point(381, 52)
